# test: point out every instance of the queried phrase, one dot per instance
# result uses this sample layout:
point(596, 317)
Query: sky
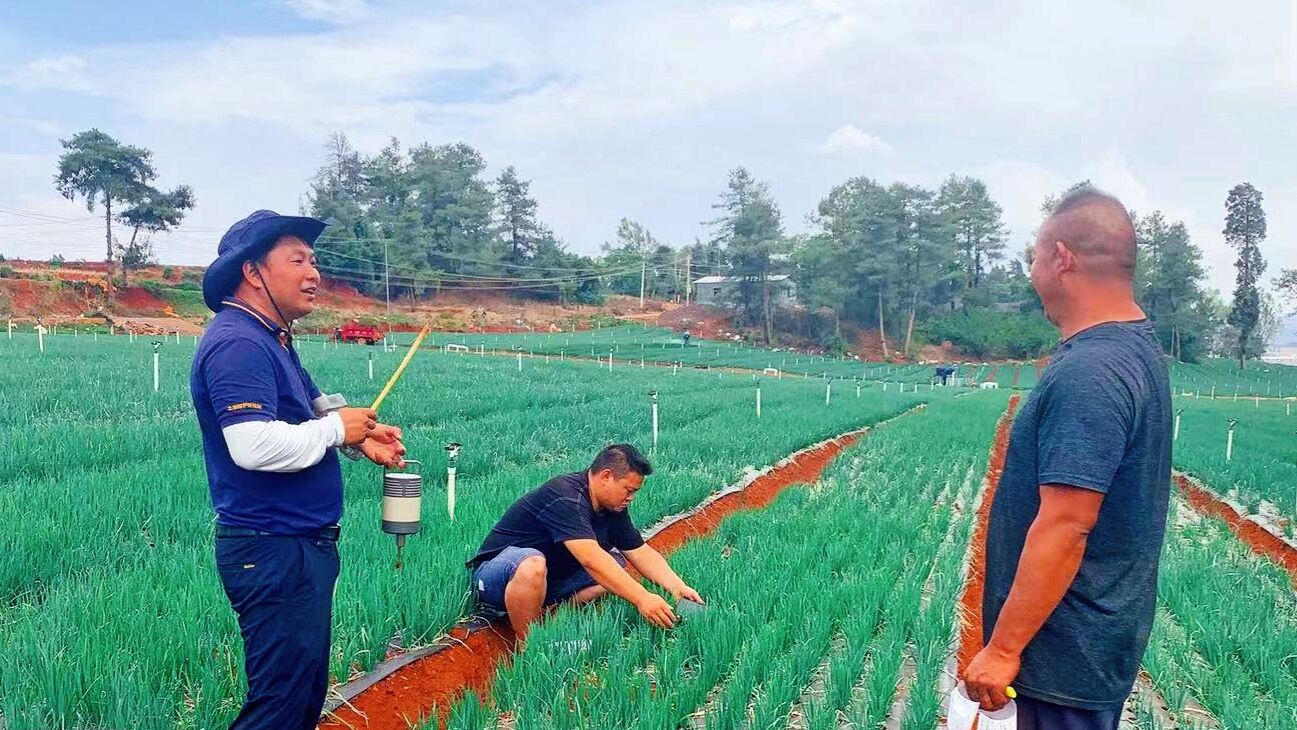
point(639, 110)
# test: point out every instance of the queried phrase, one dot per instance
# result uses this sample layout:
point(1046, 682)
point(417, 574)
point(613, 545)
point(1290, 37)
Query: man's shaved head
point(1097, 229)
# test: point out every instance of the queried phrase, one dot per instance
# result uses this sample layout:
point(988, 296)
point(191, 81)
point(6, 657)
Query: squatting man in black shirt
point(570, 540)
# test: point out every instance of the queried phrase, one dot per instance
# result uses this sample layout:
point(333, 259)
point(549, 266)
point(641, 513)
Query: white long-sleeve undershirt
point(276, 446)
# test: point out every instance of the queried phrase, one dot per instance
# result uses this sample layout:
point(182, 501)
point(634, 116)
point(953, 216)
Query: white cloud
point(850, 140)
point(40, 126)
point(330, 11)
point(65, 72)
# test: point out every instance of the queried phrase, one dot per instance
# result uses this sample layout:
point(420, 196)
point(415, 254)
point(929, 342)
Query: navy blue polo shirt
point(242, 373)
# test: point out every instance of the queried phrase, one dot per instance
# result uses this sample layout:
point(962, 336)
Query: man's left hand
point(989, 674)
point(384, 454)
point(687, 593)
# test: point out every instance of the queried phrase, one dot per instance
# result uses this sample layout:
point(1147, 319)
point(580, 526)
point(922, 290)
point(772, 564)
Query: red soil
point(434, 683)
point(138, 300)
point(970, 603)
point(1253, 535)
point(1017, 372)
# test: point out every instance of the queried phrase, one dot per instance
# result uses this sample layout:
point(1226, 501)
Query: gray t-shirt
point(1099, 419)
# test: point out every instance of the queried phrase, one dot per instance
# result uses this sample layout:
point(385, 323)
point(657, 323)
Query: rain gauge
point(402, 499)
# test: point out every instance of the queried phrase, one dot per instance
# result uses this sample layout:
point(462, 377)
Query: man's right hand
point(656, 610)
point(357, 423)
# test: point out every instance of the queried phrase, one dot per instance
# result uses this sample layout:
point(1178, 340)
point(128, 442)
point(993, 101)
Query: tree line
point(907, 263)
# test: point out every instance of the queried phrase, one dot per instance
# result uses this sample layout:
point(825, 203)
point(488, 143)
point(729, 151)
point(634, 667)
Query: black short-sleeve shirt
point(554, 512)
point(1100, 419)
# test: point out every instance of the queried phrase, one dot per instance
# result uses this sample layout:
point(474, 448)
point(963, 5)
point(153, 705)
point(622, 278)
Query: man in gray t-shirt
point(1078, 520)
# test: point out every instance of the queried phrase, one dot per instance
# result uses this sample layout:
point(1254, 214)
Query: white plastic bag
point(962, 711)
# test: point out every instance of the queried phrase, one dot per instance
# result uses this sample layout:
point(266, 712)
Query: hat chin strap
point(288, 323)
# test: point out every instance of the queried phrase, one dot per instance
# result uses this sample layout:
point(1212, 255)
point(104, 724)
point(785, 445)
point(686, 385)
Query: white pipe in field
point(520, 362)
point(40, 337)
point(450, 492)
point(655, 424)
point(884, 386)
point(11, 329)
point(155, 372)
point(758, 401)
point(828, 389)
point(371, 366)
point(1175, 435)
point(1229, 445)
point(1258, 401)
point(857, 390)
point(1213, 391)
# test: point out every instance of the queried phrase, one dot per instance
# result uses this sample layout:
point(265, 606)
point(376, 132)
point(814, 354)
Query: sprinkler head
point(653, 394)
point(452, 451)
point(156, 345)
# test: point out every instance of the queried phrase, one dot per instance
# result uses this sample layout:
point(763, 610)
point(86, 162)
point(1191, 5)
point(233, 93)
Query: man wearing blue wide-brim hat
point(271, 442)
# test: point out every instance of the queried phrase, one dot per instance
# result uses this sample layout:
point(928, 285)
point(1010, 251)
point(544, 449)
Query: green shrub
point(988, 333)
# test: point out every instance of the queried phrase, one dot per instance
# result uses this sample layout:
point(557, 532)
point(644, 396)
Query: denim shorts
point(491, 578)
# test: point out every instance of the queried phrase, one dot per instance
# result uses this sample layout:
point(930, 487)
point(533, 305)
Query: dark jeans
point(282, 590)
point(1040, 715)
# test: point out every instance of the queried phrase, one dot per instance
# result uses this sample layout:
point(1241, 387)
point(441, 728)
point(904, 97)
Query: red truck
point(354, 332)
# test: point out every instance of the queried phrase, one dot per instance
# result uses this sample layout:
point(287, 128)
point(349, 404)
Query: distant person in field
point(1078, 520)
point(270, 443)
point(569, 540)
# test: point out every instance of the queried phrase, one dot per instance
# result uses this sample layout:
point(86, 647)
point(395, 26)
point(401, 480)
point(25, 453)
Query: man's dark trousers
point(282, 590)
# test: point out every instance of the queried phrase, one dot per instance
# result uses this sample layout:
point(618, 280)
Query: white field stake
point(371, 366)
point(11, 329)
point(156, 345)
point(452, 464)
point(1175, 435)
point(1229, 441)
point(758, 399)
point(828, 390)
point(857, 389)
point(40, 337)
point(520, 361)
point(653, 394)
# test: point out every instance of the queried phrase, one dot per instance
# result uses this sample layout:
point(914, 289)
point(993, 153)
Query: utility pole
point(387, 291)
point(689, 284)
point(643, 270)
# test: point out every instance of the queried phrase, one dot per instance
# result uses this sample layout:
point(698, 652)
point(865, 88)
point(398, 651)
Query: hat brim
point(223, 275)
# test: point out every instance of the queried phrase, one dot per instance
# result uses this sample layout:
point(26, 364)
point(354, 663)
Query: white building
point(722, 291)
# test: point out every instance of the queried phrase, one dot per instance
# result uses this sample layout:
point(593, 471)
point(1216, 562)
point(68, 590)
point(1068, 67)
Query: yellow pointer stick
point(400, 368)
